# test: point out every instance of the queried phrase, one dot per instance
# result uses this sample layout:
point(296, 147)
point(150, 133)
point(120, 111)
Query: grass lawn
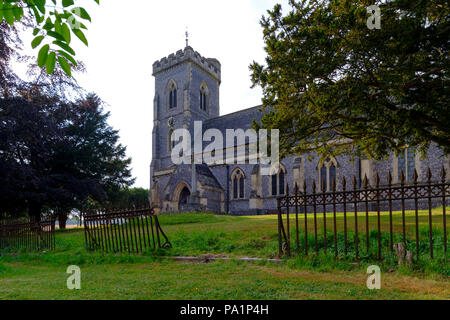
point(154, 276)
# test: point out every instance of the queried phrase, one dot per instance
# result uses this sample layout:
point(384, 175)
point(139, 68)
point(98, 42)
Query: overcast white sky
point(126, 37)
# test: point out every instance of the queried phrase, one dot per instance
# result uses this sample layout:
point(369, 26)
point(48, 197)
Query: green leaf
point(58, 27)
point(37, 16)
point(42, 56)
point(40, 4)
point(82, 13)
point(65, 66)
point(80, 36)
point(65, 30)
point(68, 57)
point(51, 62)
point(64, 46)
point(18, 13)
point(36, 41)
point(48, 24)
point(67, 3)
point(82, 26)
point(8, 13)
point(56, 35)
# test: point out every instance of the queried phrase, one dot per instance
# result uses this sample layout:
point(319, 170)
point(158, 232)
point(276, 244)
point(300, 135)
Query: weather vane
point(187, 37)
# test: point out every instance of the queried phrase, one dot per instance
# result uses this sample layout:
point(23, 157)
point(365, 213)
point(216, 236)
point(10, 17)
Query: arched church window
point(279, 182)
point(238, 183)
point(172, 95)
point(407, 164)
point(204, 97)
point(274, 184)
point(327, 174)
point(323, 175)
point(332, 175)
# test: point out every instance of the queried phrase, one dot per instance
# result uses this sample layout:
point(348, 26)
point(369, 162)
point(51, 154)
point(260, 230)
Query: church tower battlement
point(209, 65)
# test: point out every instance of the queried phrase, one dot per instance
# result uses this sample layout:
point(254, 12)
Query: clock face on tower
point(171, 122)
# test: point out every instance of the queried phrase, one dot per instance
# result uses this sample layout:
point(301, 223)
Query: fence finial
point(389, 178)
point(354, 182)
point(429, 175)
point(323, 186)
point(415, 176)
point(333, 185)
point(365, 181)
point(314, 186)
point(344, 183)
point(377, 180)
point(296, 188)
point(287, 189)
point(402, 177)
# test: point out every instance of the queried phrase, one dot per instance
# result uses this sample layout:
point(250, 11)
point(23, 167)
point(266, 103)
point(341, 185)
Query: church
point(187, 87)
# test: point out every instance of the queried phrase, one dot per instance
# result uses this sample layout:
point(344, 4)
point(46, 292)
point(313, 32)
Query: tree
point(55, 23)
point(56, 154)
point(10, 44)
point(52, 88)
point(128, 198)
point(57, 151)
point(335, 86)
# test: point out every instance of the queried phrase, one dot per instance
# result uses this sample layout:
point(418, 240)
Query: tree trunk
point(34, 211)
point(62, 220)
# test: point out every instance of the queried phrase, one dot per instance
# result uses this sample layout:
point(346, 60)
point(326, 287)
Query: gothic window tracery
point(279, 182)
point(172, 99)
point(204, 95)
point(238, 184)
point(327, 174)
point(407, 164)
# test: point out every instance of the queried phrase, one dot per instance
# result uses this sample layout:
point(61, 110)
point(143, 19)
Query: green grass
point(29, 275)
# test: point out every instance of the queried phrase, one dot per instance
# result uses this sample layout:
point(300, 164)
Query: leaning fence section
point(348, 213)
point(129, 231)
point(33, 236)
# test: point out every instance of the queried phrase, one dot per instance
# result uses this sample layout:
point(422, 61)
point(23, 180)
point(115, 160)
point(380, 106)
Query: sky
point(127, 37)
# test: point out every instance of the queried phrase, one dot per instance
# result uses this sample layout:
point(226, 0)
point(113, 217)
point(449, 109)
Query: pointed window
point(172, 95)
point(327, 174)
point(279, 182)
point(204, 96)
point(274, 185)
point(241, 187)
point(332, 175)
point(407, 164)
point(238, 183)
point(323, 176)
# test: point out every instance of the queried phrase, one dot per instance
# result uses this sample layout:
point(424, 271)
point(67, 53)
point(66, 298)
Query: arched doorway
point(181, 196)
point(184, 195)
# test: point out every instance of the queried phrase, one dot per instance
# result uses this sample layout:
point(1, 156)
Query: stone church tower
point(186, 90)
